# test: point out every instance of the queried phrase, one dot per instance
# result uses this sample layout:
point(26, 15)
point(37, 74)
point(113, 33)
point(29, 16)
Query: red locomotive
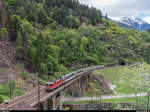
point(54, 84)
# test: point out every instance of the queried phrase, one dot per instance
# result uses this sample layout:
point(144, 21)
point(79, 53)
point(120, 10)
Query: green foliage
point(1, 19)
point(114, 106)
point(90, 60)
point(3, 32)
point(87, 45)
point(147, 55)
point(69, 13)
point(15, 22)
point(64, 33)
point(67, 108)
point(11, 2)
point(5, 90)
point(1, 99)
point(125, 79)
point(5, 97)
point(17, 92)
point(23, 74)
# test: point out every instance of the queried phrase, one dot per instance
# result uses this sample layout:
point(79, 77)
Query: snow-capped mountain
point(131, 21)
point(135, 23)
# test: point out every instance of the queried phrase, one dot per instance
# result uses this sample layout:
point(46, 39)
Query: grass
point(121, 100)
point(111, 74)
point(119, 76)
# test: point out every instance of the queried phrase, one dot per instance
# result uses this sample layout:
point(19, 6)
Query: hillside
point(127, 79)
point(64, 35)
point(10, 67)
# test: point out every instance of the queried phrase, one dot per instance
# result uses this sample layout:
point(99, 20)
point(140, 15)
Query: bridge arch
point(76, 91)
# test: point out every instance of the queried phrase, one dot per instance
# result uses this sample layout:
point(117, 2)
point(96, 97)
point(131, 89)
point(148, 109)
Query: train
point(52, 85)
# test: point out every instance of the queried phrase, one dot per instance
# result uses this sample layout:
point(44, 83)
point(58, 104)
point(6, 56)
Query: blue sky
point(117, 9)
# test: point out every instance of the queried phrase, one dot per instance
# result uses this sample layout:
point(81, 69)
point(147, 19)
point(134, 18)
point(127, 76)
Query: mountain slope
point(9, 65)
point(53, 38)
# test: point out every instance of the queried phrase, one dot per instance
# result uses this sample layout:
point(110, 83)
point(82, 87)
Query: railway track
point(32, 97)
point(16, 101)
point(23, 100)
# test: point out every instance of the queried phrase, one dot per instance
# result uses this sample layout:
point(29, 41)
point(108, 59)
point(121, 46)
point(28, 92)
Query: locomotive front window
point(49, 84)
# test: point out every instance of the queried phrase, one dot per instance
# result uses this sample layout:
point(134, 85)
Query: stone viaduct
point(76, 89)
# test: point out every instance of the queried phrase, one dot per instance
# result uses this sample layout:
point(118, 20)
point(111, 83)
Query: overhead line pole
point(38, 95)
point(10, 89)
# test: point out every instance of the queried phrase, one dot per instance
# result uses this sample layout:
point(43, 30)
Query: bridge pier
point(83, 84)
point(49, 104)
point(53, 103)
point(59, 99)
point(79, 88)
point(45, 105)
point(60, 106)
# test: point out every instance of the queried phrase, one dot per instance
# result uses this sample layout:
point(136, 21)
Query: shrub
point(4, 90)
point(114, 106)
point(0, 19)
point(3, 32)
point(1, 99)
point(23, 74)
point(90, 60)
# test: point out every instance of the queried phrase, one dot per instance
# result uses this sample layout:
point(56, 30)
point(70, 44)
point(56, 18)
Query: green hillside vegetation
point(54, 35)
point(127, 80)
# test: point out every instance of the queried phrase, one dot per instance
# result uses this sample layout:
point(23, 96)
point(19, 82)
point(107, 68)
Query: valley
point(60, 37)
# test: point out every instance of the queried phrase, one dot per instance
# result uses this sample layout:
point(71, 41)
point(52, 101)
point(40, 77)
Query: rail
point(32, 97)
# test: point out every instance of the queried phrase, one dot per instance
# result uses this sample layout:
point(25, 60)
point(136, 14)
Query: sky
point(117, 9)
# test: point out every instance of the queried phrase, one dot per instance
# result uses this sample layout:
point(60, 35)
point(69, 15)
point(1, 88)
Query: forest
point(56, 36)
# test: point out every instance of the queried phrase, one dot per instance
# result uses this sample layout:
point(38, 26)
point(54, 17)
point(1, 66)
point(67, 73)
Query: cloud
point(115, 18)
point(121, 8)
point(147, 19)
